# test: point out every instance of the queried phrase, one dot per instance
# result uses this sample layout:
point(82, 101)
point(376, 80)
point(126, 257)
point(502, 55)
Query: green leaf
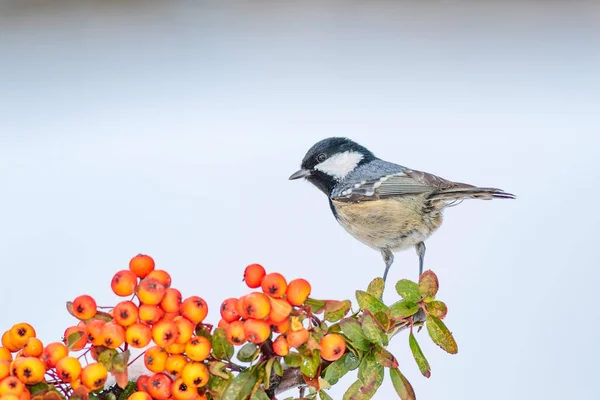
point(437, 309)
point(203, 330)
point(293, 359)
point(422, 362)
point(402, 385)
point(367, 301)
point(370, 377)
point(120, 360)
point(353, 331)
point(260, 395)
point(73, 338)
point(315, 305)
point(335, 371)
point(428, 284)
point(376, 287)
point(268, 370)
point(105, 358)
point(408, 290)
point(217, 385)
point(383, 319)
point(385, 358)
point(350, 361)
point(334, 315)
point(324, 396)
point(310, 365)
point(241, 386)
point(440, 334)
point(218, 368)
point(278, 368)
point(222, 349)
point(128, 391)
point(38, 388)
point(373, 331)
point(248, 352)
point(403, 308)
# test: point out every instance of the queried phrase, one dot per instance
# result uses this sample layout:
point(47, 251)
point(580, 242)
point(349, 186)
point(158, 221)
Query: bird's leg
point(388, 258)
point(421, 252)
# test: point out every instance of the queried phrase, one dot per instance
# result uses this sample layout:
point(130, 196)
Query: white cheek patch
point(340, 165)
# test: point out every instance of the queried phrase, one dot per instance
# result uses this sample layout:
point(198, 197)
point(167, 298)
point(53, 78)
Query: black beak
point(303, 173)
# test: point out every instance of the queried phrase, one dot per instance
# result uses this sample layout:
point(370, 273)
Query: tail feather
point(461, 193)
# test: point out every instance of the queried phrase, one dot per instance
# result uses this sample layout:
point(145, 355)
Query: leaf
point(353, 331)
point(217, 386)
point(81, 393)
point(402, 385)
point(105, 358)
point(403, 308)
point(73, 338)
point(248, 352)
point(369, 302)
point(121, 378)
point(385, 358)
point(293, 360)
point(370, 377)
point(241, 386)
point(353, 392)
point(437, 309)
point(440, 334)
point(373, 331)
point(268, 370)
point(376, 287)
point(217, 368)
point(38, 389)
point(428, 284)
point(408, 290)
point(340, 312)
point(383, 319)
point(310, 365)
point(335, 371)
point(128, 391)
point(422, 362)
point(120, 360)
point(222, 349)
point(278, 368)
point(203, 330)
point(260, 395)
point(315, 305)
point(324, 396)
point(350, 361)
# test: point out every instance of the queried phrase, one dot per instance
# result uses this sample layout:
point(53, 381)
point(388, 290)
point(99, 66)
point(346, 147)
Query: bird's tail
point(470, 192)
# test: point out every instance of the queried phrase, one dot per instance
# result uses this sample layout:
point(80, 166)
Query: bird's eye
point(321, 157)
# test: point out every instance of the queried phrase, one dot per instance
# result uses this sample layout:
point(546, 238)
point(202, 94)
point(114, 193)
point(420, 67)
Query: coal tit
point(386, 206)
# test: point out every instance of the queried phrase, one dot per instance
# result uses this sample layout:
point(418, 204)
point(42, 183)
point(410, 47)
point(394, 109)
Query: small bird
point(386, 206)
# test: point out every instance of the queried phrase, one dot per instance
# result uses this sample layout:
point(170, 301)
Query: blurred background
point(170, 128)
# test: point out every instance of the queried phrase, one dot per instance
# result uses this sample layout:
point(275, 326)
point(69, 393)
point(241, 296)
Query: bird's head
point(331, 160)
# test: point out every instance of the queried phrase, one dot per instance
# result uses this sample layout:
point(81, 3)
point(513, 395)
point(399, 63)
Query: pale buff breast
point(395, 223)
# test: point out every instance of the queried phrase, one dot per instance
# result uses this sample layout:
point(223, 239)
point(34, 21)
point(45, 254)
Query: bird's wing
point(393, 185)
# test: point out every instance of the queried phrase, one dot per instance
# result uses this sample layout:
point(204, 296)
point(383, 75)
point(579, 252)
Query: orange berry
point(124, 283)
point(95, 351)
point(159, 386)
point(297, 338)
point(257, 305)
point(25, 395)
point(256, 330)
point(149, 314)
point(112, 335)
point(140, 396)
point(253, 275)
point(126, 313)
point(20, 333)
point(31, 371)
point(228, 310)
point(141, 265)
point(75, 346)
point(279, 327)
point(7, 343)
point(175, 364)
point(141, 383)
point(175, 348)
point(333, 347)
point(281, 347)
point(274, 284)
point(171, 301)
point(68, 369)
point(164, 333)
point(280, 310)
point(33, 347)
point(194, 308)
point(4, 369)
point(93, 376)
point(138, 335)
point(198, 348)
point(170, 316)
point(235, 333)
point(162, 276)
point(53, 353)
point(239, 308)
point(155, 359)
point(84, 307)
point(195, 374)
point(185, 329)
point(150, 291)
point(297, 292)
point(181, 391)
point(5, 354)
point(11, 385)
point(11, 396)
point(93, 331)
point(222, 324)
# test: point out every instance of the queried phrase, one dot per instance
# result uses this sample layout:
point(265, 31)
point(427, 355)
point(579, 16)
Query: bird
point(386, 206)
